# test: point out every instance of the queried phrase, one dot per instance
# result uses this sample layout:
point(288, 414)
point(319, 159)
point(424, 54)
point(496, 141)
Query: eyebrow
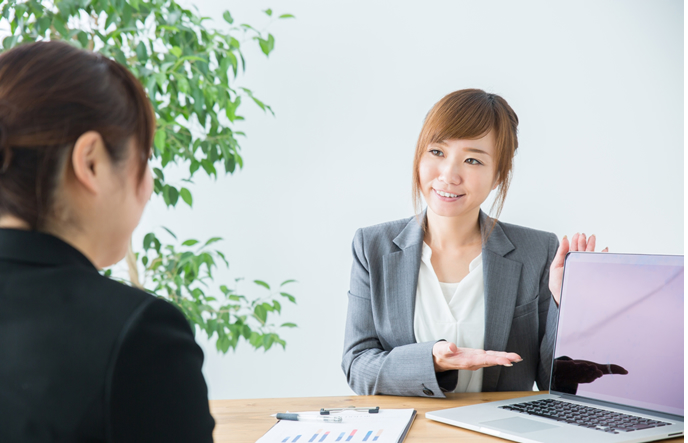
point(469, 149)
point(479, 151)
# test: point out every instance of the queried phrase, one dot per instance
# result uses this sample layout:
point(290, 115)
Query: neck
point(80, 240)
point(452, 232)
point(12, 222)
point(76, 238)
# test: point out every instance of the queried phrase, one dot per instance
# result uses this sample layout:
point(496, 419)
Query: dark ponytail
point(50, 94)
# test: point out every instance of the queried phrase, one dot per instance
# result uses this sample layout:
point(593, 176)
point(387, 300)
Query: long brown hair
point(50, 94)
point(470, 114)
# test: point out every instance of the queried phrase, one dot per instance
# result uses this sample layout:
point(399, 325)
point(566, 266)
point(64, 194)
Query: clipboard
point(382, 426)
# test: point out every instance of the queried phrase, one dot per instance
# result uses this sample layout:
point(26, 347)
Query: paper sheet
point(387, 426)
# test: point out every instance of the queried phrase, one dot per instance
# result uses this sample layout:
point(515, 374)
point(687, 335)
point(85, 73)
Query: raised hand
point(447, 356)
point(556, 271)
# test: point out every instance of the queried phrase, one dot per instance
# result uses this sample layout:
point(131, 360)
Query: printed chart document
point(387, 426)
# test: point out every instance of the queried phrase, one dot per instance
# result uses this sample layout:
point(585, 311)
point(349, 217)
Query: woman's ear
point(88, 158)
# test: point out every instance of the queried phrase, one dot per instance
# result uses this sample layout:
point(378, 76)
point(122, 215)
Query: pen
point(301, 417)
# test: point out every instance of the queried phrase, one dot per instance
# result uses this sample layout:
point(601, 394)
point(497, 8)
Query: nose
point(451, 173)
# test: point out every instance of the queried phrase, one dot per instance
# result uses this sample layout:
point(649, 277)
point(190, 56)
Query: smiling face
point(465, 148)
point(456, 176)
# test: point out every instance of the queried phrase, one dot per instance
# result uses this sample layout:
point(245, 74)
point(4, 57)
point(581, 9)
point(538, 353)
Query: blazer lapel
point(401, 279)
point(501, 279)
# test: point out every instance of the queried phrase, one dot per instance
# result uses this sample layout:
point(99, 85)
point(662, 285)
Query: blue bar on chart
point(377, 435)
point(367, 435)
point(296, 438)
point(351, 435)
point(286, 439)
point(315, 436)
point(324, 436)
point(340, 436)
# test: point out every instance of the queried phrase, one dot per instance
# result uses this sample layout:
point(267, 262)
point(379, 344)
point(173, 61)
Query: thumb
point(452, 349)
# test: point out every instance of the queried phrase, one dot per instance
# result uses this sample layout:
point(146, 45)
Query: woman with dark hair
point(453, 300)
point(82, 357)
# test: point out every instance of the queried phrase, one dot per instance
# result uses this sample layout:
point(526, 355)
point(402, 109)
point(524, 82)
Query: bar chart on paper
point(388, 426)
point(327, 436)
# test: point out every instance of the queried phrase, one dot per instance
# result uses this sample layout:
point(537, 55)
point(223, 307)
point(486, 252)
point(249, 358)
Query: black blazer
point(84, 358)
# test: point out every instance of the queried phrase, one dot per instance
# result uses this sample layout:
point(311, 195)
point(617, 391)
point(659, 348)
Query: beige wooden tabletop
point(245, 421)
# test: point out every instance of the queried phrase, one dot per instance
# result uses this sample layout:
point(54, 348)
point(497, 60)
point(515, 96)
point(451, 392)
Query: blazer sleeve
point(158, 393)
point(549, 313)
point(371, 369)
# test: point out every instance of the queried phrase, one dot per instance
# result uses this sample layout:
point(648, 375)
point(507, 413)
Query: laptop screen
point(620, 334)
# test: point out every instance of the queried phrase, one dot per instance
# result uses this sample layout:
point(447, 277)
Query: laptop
point(617, 373)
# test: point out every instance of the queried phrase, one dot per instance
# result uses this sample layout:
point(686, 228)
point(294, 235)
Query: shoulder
point(111, 308)
point(136, 306)
point(95, 289)
point(158, 314)
point(529, 242)
point(524, 235)
point(381, 237)
point(156, 324)
point(384, 231)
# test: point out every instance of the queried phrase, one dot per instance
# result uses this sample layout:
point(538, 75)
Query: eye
point(472, 161)
point(437, 152)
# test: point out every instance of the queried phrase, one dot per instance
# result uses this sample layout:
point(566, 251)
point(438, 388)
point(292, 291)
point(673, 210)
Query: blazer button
point(427, 391)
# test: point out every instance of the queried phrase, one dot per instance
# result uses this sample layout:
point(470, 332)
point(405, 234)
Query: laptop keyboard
point(585, 416)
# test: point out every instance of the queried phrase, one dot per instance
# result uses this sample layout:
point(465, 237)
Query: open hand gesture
point(556, 270)
point(448, 356)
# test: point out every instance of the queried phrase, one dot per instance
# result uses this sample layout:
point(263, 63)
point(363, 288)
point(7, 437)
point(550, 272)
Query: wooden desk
point(245, 421)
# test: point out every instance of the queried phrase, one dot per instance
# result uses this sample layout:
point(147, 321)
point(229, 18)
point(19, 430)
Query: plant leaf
point(262, 283)
point(148, 241)
point(170, 232)
point(186, 196)
point(288, 296)
point(212, 240)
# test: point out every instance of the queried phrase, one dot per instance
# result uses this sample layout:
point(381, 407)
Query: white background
point(598, 88)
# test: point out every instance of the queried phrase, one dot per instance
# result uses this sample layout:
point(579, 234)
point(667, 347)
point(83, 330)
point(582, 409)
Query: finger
point(605, 250)
point(591, 244)
point(612, 369)
point(478, 361)
point(511, 356)
point(616, 369)
point(574, 242)
point(474, 359)
point(445, 349)
point(560, 256)
point(581, 242)
point(494, 360)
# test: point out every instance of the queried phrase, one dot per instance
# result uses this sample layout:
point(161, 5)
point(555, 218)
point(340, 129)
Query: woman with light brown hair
point(83, 357)
point(453, 300)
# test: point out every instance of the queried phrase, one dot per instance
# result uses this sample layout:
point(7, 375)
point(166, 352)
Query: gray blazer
point(381, 355)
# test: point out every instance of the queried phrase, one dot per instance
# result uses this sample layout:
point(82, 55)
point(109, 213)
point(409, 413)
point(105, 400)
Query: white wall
point(598, 88)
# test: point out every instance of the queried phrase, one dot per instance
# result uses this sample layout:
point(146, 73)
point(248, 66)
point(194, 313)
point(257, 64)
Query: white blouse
point(452, 311)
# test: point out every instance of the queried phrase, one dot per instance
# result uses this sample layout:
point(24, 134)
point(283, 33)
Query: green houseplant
point(189, 71)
